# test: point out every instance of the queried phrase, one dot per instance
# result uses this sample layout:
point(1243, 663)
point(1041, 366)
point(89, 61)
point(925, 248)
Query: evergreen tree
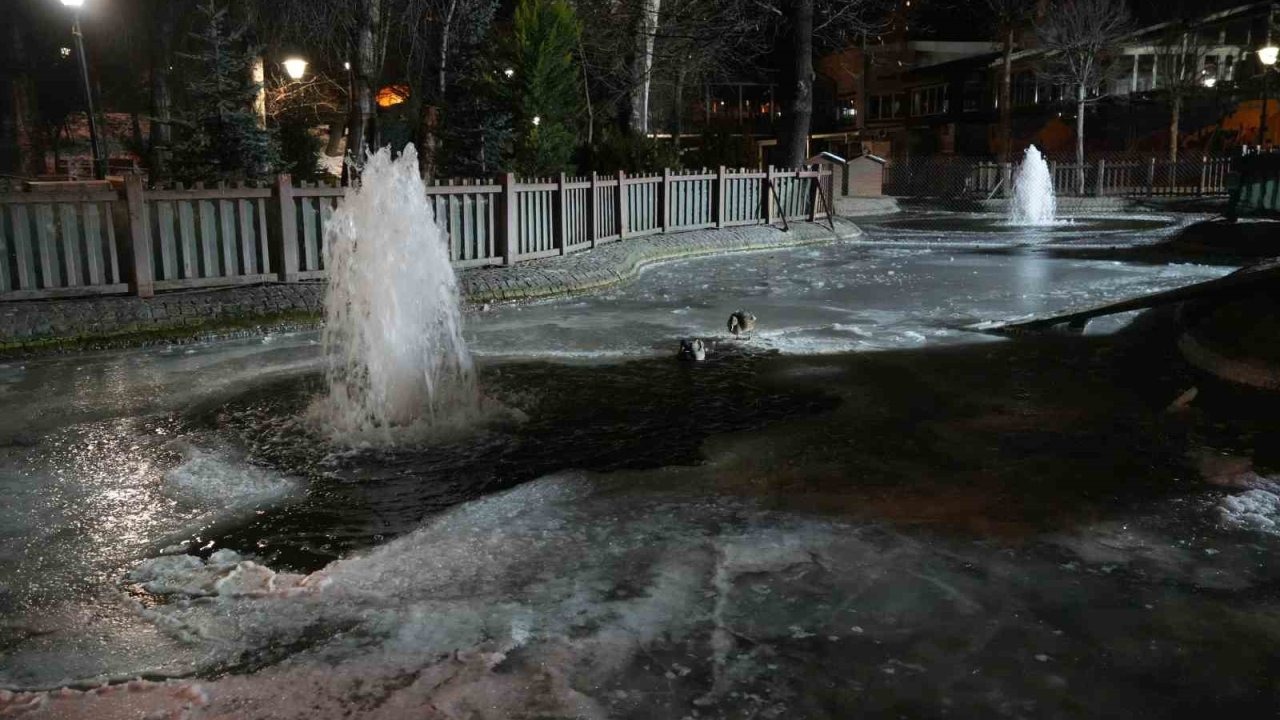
point(544, 87)
point(218, 136)
point(475, 128)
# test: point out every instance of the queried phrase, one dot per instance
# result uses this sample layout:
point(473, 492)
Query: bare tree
point(1011, 16)
point(646, 30)
point(797, 115)
point(1179, 71)
point(356, 30)
point(829, 22)
point(164, 30)
point(435, 36)
point(1080, 38)
point(702, 39)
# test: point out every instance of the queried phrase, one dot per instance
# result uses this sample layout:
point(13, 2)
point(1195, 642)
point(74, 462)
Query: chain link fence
point(972, 184)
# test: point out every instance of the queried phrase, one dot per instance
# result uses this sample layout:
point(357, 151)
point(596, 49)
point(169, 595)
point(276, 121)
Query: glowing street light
point(1266, 56)
point(509, 72)
point(99, 161)
point(537, 120)
point(1209, 81)
point(296, 67)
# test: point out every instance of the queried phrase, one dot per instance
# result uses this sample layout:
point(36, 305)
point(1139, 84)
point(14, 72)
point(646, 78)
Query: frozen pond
point(890, 516)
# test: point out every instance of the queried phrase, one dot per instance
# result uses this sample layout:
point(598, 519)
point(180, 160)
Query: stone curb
point(196, 316)
point(610, 264)
point(1242, 371)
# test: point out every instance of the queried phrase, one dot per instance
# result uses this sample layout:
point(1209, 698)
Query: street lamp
point(296, 67)
point(99, 162)
point(1267, 56)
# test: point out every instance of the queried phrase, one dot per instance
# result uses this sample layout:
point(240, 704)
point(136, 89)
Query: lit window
point(392, 95)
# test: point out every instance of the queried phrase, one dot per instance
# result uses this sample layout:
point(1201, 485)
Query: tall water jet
point(1033, 200)
point(393, 347)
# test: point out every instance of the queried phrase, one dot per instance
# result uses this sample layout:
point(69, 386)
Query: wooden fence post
point(1100, 186)
point(1204, 165)
point(622, 205)
point(283, 233)
point(766, 202)
point(141, 275)
point(721, 190)
point(562, 212)
point(813, 193)
point(593, 208)
point(664, 210)
point(1151, 177)
point(509, 239)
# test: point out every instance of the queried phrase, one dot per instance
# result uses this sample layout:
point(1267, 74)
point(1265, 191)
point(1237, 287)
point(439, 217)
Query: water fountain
point(393, 347)
point(1033, 201)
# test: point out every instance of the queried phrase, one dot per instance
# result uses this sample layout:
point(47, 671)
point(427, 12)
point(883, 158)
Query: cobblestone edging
point(176, 317)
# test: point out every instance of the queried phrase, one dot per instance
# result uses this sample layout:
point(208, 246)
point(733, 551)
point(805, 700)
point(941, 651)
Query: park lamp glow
point(537, 120)
point(1209, 81)
point(73, 3)
point(295, 67)
point(1267, 54)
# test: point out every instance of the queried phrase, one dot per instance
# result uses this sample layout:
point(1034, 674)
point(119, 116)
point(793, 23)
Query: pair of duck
point(695, 350)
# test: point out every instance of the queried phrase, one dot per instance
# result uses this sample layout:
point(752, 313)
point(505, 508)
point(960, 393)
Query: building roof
point(1214, 17)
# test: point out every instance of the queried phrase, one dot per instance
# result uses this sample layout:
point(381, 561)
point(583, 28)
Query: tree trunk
point(362, 125)
point(677, 109)
point(1080, 138)
point(793, 140)
point(258, 75)
point(11, 155)
point(1173, 130)
point(337, 130)
point(586, 94)
point(642, 66)
point(161, 96)
point(429, 119)
point(135, 126)
point(1006, 100)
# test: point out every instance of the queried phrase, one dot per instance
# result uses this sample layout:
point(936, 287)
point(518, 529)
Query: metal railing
point(965, 181)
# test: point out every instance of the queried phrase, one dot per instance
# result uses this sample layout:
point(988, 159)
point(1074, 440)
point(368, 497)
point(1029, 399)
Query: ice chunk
point(1251, 510)
point(206, 479)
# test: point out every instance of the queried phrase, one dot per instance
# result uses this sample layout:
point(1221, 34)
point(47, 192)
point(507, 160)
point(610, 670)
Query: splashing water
point(1033, 200)
point(393, 347)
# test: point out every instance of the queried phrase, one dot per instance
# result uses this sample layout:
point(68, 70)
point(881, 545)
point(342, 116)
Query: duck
point(742, 322)
point(692, 350)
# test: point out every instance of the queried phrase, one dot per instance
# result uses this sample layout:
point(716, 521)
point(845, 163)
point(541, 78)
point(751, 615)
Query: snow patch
point(1255, 509)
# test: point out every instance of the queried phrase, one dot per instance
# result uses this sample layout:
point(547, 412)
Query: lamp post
point(1267, 56)
point(99, 162)
point(295, 67)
